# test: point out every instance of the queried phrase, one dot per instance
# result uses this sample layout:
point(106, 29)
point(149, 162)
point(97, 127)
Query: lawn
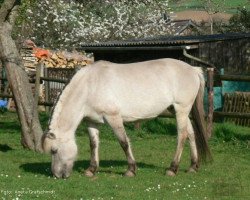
point(230, 5)
point(26, 175)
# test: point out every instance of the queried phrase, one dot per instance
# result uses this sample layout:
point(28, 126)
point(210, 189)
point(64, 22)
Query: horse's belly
point(145, 109)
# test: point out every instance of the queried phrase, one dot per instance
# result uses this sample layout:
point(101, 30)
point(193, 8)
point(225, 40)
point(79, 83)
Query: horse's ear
point(51, 136)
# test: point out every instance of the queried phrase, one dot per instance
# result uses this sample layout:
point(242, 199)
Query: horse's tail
point(198, 114)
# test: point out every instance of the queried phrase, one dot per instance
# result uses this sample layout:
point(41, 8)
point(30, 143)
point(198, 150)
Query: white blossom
point(65, 24)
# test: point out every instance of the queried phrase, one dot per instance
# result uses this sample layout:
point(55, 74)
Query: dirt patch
point(199, 16)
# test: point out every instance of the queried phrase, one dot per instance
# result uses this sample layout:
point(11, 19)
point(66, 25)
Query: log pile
point(29, 59)
point(65, 59)
point(32, 55)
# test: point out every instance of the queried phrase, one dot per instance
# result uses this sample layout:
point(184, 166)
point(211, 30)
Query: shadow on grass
point(157, 126)
point(160, 126)
point(243, 137)
point(44, 167)
point(10, 126)
point(5, 148)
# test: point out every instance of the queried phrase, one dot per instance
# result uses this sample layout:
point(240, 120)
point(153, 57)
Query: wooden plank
point(210, 90)
point(230, 102)
point(236, 100)
point(37, 86)
point(237, 78)
point(46, 89)
point(248, 110)
point(49, 104)
point(241, 108)
point(4, 95)
point(227, 106)
point(231, 114)
point(54, 80)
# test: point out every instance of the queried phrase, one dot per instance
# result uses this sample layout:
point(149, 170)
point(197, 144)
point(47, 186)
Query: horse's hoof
point(191, 170)
point(129, 174)
point(170, 173)
point(89, 173)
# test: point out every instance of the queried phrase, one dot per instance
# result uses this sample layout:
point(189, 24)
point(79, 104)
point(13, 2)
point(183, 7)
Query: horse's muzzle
point(63, 175)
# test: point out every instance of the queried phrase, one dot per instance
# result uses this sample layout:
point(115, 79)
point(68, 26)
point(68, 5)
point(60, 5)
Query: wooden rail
point(37, 82)
point(232, 115)
point(4, 95)
point(237, 78)
point(54, 80)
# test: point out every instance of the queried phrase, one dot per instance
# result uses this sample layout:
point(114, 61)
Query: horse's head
point(63, 154)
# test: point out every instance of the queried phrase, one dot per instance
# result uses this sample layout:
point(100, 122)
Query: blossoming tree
point(64, 24)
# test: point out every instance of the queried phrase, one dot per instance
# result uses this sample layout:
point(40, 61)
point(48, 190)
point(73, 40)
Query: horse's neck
point(69, 109)
point(66, 124)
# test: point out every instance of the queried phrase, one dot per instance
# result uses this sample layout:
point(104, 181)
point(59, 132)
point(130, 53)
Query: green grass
point(230, 6)
point(26, 175)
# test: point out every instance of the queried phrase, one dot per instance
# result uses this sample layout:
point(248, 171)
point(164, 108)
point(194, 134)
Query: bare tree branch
point(13, 15)
point(5, 9)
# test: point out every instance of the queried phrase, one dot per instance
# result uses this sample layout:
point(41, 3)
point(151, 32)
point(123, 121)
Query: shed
point(230, 51)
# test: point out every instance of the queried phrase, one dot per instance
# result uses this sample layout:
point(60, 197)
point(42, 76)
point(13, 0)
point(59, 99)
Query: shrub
point(240, 21)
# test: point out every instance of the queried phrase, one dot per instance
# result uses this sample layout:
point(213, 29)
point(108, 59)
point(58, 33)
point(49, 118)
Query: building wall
point(233, 56)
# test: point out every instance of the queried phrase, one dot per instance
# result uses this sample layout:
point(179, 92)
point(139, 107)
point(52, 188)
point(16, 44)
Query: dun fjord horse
point(118, 93)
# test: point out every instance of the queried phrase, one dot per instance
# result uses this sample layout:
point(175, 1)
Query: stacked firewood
point(33, 55)
point(29, 59)
point(65, 59)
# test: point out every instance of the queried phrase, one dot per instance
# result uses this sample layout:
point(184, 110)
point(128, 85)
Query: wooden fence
point(238, 102)
point(239, 115)
point(54, 81)
point(236, 106)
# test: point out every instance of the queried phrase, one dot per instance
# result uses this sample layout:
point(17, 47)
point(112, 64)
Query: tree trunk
point(211, 24)
point(19, 84)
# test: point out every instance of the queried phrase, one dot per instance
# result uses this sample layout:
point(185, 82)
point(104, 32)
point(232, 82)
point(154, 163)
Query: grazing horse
point(117, 93)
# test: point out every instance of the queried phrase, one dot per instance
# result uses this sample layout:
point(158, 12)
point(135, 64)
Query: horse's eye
point(53, 151)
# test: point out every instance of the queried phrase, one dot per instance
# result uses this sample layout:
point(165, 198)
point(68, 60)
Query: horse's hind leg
point(94, 148)
point(116, 124)
point(182, 124)
point(193, 148)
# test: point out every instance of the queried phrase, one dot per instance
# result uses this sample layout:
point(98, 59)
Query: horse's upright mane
point(57, 108)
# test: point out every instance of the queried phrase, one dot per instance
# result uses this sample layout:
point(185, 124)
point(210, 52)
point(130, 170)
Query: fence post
point(210, 91)
point(37, 86)
point(47, 89)
point(137, 125)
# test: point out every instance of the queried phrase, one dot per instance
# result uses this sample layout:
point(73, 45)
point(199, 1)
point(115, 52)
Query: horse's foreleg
point(116, 124)
point(182, 122)
point(193, 148)
point(94, 148)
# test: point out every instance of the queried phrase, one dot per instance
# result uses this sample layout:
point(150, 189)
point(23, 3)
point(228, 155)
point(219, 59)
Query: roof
point(177, 27)
point(161, 42)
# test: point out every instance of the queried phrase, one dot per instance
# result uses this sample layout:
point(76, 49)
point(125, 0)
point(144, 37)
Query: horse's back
point(140, 90)
point(162, 75)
